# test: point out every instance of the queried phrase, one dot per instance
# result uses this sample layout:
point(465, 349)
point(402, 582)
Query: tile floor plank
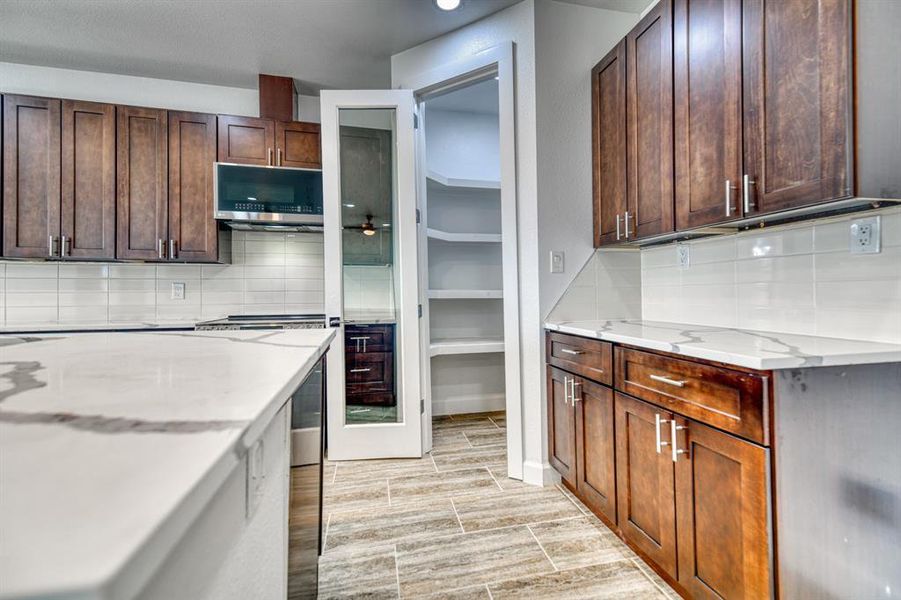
point(620, 580)
point(463, 482)
point(390, 525)
point(514, 507)
point(579, 543)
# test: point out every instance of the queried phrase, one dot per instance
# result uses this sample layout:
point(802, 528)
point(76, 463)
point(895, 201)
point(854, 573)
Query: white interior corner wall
point(463, 145)
point(569, 40)
point(607, 287)
point(515, 24)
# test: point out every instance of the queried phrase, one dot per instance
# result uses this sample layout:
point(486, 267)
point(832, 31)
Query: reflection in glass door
point(366, 155)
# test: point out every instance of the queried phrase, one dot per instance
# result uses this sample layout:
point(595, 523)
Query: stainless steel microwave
point(252, 197)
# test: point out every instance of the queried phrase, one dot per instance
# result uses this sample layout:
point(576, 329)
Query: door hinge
point(415, 121)
point(422, 406)
point(419, 310)
point(418, 216)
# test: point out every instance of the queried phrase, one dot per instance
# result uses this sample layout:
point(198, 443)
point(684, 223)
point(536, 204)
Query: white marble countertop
point(741, 347)
point(16, 328)
point(111, 444)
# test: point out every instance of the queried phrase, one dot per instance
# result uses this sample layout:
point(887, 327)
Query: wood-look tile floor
point(452, 526)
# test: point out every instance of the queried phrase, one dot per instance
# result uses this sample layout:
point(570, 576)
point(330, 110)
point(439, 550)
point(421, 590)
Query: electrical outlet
point(865, 236)
point(683, 255)
point(557, 261)
point(178, 290)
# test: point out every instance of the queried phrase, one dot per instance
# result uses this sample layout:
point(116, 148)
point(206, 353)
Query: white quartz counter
point(111, 444)
point(741, 347)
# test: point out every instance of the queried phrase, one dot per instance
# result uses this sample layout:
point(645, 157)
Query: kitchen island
point(148, 465)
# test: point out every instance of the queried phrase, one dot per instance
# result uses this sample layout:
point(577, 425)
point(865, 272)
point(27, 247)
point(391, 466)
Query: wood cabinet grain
point(561, 426)
point(31, 176)
point(649, 77)
point(297, 145)
point(141, 182)
point(722, 510)
point(595, 449)
point(707, 66)
point(246, 140)
point(797, 102)
point(193, 230)
point(608, 146)
point(645, 482)
point(88, 163)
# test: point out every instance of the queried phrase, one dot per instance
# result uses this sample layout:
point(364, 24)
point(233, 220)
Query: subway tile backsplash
point(270, 272)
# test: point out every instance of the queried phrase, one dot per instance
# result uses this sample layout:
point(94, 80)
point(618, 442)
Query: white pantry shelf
point(465, 294)
point(454, 182)
point(465, 346)
point(448, 236)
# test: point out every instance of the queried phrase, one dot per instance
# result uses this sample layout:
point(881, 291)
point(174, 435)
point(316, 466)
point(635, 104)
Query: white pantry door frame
point(373, 440)
point(498, 60)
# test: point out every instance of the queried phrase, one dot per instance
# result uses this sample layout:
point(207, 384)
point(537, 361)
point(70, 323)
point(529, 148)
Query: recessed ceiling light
point(447, 4)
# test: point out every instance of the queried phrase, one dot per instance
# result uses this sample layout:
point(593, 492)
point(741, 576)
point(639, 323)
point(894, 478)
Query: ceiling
point(321, 43)
point(633, 6)
point(481, 97)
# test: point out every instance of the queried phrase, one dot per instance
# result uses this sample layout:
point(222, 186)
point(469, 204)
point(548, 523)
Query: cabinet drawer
point(368, 338)
point(589, 358)
point(370, 372)
point(729, 400)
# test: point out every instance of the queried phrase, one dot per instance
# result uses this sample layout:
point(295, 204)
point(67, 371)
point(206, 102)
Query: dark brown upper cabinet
point(31, 177)
point(797, 103)
point(193, 231)
point(88, 161)
point(297, 145)
point(649, 89)
point(707, 66)
point(608, 145)
point(256, 141)
point(246, 140)
point(141, 182)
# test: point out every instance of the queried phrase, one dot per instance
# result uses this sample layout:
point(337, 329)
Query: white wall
point(569, 40)
point(516, 24)
point(463, 145)
point(607, 287)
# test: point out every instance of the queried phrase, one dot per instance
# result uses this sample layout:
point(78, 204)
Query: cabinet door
point(595, 465)
point(192, 152)
point(246, 140)
point(707, 92)
point(797, 102)
point(31, 175)
point(561, 425)
point(649, 66)
point(88, 223)
point(297, 145)
point(722, 506)
point(608, 146)
point(141, 181)
point(646, 510)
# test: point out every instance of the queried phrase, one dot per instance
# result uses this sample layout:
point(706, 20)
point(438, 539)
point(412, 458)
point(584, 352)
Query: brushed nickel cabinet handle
point(728, 198)
point(172, 249)
point(565, 389)
point(66, 248)
point(617, 227)
point(667, 380)
point(674, 445)
point(747, 182)
point(573, 388)
point(657, 423)
point(626, 224)
point(278, 157)
point(51, 246)
point(269, 156)
point(360, 370)
point(568, 351)
point(161, 249)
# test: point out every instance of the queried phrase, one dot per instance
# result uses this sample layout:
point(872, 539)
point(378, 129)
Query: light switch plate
point(557, 261)
point(865, 236)
point(683, 255)
point(178, 290)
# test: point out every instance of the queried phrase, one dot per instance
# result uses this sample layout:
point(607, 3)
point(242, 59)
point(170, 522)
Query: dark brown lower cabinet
point(369, 364)
point(645, 478)
point(595, 465)
point(721, 510)
point(561, 425)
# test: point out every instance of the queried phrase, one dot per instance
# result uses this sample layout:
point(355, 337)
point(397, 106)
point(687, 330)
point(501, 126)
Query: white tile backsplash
point(257, 282)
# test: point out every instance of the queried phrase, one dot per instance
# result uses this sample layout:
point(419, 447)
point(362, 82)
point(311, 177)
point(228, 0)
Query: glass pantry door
point(371, 286)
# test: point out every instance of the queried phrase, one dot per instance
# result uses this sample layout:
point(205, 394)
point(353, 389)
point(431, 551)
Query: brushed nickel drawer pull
point(673, 429)
point(565, 389)
point(573, 389)
point(573, 352)
point(667, 380)
point(360, 370)
point(657, 423)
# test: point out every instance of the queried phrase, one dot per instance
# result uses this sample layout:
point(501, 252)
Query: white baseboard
point(457, 405)
point(539, 474)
